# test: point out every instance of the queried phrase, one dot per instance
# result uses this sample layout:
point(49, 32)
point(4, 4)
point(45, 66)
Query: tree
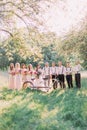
point(22, 12)
point(74, 46)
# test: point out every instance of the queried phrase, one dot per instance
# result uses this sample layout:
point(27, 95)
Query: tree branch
point(4, 30)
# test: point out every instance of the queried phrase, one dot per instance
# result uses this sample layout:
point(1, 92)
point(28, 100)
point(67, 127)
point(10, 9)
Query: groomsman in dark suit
point(77, 69)
point(60, 73)
point(46, 74)
point(53, 72)
point(68, 73)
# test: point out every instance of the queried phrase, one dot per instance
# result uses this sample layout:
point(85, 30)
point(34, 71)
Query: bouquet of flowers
point(35, 72)
point(13, 73)
point(30, 72)
point(25, 71)
point(20, 71)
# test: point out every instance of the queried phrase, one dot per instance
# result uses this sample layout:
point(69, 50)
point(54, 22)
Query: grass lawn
point(34, 110)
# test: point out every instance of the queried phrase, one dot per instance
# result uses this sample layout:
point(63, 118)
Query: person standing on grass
point(11, 72)
point(53, 74)
point(39, 70)
point(77, 68)
point(24, 72)
point(46, 74)
point(18, 78)
point(30, 71)
point(60, 73)
point(68, 73)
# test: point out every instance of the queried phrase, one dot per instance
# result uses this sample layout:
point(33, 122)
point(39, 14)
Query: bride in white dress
point(39, 83)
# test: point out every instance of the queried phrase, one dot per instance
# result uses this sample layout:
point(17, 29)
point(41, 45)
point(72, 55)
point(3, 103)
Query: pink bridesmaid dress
point(30, 72)
point(18, 79)
point(24, 75)
point(29, 75)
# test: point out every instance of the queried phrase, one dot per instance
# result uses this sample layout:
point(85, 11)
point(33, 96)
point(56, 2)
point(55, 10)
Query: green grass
point(34, 110)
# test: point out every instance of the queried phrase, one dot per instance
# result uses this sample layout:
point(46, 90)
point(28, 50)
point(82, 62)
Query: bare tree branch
point(20, 17)
point(4, 30)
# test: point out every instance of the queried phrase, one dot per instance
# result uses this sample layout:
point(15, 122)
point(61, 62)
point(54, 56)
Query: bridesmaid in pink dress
point(18, 78)
point(30, 72)
point(11, 72)
point(24, 72)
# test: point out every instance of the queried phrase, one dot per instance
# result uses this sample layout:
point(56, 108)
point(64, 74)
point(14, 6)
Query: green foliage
point(49, 54)
point(37, 48)
point(30, 109)
point(26, 44)
point(3, 58)
point(74, 46)
point(41, 47)
point(12, 51)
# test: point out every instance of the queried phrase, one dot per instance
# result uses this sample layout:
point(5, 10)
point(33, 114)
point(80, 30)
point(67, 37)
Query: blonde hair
point(17, 65)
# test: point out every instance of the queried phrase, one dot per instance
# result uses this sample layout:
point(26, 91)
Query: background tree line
point(40, 47)
point(29, 45)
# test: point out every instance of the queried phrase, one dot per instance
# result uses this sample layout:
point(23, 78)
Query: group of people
point(43, 77)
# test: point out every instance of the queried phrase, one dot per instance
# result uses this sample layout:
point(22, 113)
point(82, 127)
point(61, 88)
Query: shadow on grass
point(19, 118)
point(58, 110)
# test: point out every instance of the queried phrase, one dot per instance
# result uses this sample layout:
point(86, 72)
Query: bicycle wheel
point(27, 84)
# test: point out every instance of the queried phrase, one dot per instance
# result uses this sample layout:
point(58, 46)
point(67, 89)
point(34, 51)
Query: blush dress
point(18, 79)
point(24, 75)
point(29, 75)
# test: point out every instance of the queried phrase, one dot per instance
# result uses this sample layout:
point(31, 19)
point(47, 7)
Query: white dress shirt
point(68, 70)
point(77, 68)
point(60, 70)
point(53, 70)
point(46, 70)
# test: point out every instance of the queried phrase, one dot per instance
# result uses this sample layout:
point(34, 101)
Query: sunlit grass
point(33, 110)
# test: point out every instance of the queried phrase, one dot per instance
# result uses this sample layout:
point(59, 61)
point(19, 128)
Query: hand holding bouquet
point(30, 72)
point(13, 73)
point(25, 72)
